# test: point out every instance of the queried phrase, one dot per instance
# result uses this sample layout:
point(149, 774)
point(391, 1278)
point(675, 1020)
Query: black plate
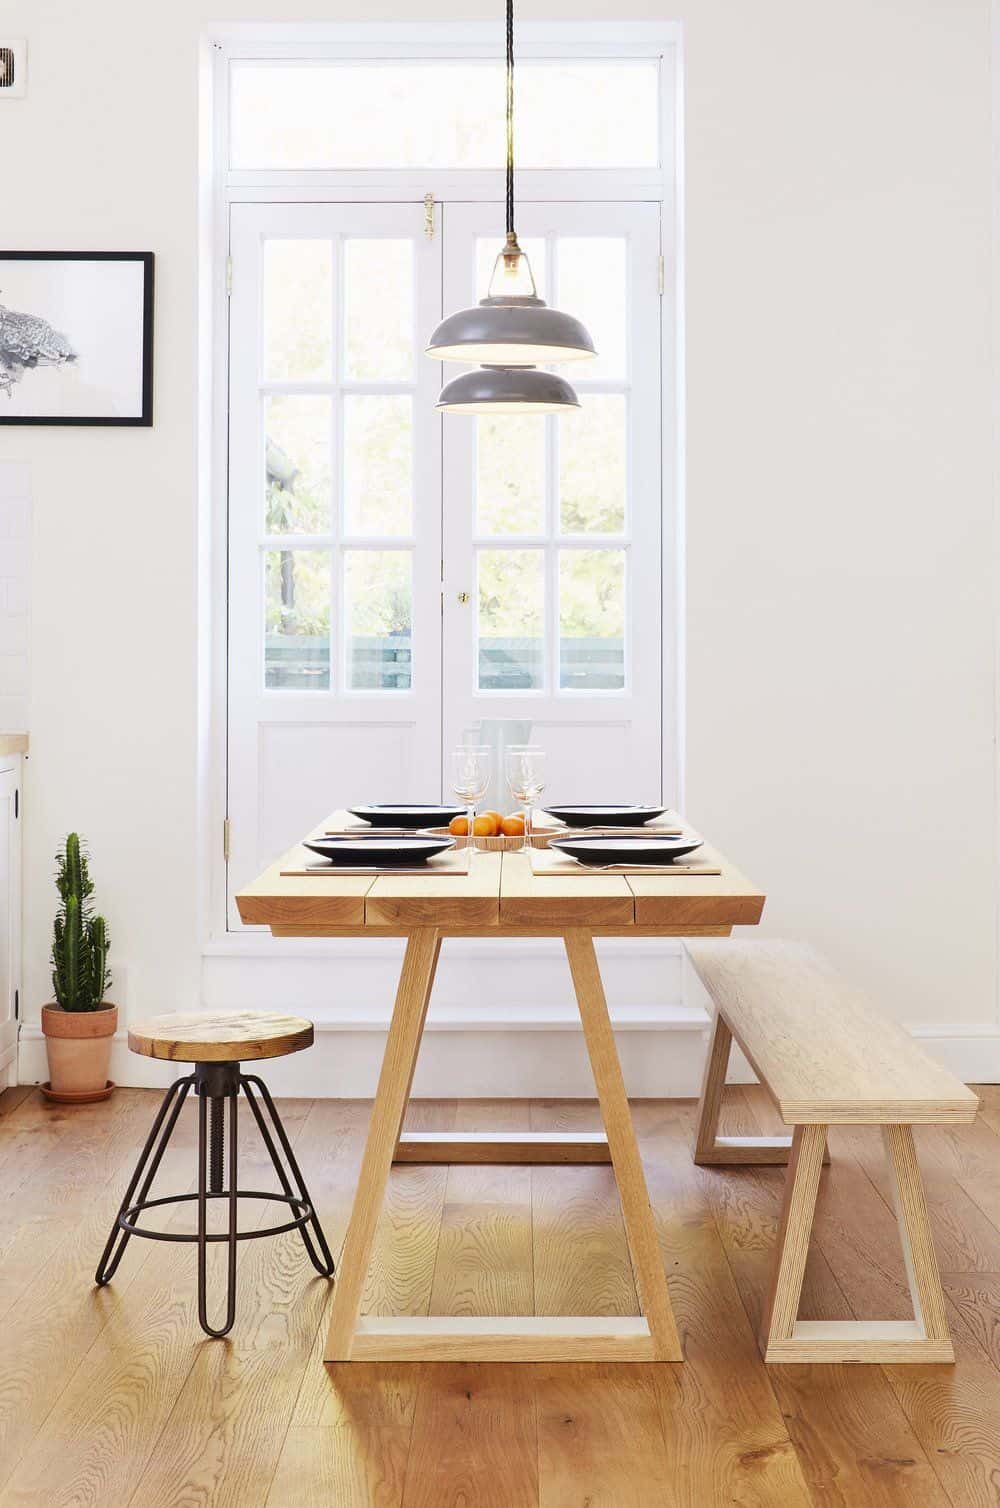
point(410, 815)
point(369, 851)
point(605, 816)
point(626, 850)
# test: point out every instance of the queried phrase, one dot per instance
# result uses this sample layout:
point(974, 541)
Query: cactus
point(80, 943)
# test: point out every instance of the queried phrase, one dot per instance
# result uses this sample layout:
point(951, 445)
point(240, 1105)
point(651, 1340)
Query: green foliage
point(80, 942)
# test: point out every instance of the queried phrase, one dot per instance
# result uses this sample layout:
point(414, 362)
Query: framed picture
point(76, 337)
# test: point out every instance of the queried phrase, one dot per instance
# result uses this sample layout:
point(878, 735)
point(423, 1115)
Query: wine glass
point(471, 768)
point(526, 779)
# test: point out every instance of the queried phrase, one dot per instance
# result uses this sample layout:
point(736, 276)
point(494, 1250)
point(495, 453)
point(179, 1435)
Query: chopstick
point(373, 832)
point(610, 832)
point(642, 869)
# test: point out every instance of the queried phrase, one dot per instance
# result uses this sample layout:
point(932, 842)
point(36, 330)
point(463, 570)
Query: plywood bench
point(826, 1057)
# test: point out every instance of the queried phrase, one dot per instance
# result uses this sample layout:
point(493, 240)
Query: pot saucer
point(77, 1096)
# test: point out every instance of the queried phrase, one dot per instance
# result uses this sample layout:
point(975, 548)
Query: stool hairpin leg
point(175, 1095)
point(217, 1083)
point(300, 1193)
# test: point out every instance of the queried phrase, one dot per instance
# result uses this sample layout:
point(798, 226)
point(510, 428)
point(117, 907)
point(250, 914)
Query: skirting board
point(659, 1059)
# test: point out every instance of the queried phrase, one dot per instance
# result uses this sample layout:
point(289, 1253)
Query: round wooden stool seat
point(220, 1037)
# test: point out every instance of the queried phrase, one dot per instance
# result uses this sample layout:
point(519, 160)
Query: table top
point(500, 895)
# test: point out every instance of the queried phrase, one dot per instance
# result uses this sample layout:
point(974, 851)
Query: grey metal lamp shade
point(510, 332)
point(510, 390)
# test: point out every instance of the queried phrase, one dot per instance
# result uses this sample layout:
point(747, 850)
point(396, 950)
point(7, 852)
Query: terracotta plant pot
point(78, 1044)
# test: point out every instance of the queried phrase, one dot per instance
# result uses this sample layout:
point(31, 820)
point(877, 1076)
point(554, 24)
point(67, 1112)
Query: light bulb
point(512, 276)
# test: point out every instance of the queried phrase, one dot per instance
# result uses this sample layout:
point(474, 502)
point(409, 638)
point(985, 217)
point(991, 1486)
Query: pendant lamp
point(511, 331)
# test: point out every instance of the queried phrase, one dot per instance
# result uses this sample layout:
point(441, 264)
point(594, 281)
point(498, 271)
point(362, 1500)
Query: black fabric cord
point(510, 117)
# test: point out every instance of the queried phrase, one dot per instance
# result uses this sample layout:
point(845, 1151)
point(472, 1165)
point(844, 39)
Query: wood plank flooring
point(111, 1398)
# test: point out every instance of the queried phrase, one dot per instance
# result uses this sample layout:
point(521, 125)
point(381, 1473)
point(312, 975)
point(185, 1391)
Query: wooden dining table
point(499, 897)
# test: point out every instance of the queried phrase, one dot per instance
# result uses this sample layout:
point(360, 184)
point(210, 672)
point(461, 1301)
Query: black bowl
point(369, 851)
point(626, 850)
point(605, 816)
point(408, 814)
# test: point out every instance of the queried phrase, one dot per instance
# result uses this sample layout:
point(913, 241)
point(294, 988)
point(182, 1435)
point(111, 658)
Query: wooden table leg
point(639, 1226)
point(423, 1019)
point(395, 1078)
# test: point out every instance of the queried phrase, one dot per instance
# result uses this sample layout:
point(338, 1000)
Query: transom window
point(393, 115)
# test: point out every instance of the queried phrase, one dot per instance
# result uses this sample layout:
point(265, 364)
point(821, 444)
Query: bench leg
point(915, 1234)
point(713, 1150)
point(784, 1337)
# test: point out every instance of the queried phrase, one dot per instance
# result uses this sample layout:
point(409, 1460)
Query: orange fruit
point(484, 826)
point(459, 827)
point(513, 826)
point(497, 818)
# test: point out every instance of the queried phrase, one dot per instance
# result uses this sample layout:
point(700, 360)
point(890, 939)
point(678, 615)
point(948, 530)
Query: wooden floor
point(113, 1397)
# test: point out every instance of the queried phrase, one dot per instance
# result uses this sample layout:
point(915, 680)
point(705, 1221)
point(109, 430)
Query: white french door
point(361, 524)
point(552, 559)
point(334, 518)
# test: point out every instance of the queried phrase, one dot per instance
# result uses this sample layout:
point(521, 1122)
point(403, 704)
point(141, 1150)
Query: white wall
point(15, 580)
point(840, 582)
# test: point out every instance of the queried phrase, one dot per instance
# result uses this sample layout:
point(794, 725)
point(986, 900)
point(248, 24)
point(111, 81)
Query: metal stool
point(217, 1045)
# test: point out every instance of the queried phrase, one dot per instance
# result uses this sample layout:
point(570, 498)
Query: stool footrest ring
point(127, 1218)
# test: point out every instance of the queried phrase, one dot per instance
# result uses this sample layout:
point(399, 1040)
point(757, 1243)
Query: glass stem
point(527, 826)
point(470, 842)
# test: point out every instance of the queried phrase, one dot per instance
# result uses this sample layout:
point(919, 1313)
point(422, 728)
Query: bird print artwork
point(26, 341)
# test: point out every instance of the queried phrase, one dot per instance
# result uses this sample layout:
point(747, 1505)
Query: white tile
point(16, 593)
point(14, 634)
point(15, 479)
point(13, 675)
point(13, 557)
point(13, 714)
point(14, 519)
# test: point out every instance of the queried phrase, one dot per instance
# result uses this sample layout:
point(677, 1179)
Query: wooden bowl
point(495, 845)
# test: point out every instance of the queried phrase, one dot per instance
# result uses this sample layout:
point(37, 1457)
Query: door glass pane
point(378, 612)
point(510, 474)
point(591, 620)
point(378, 302)
point(511, 620)
point(297, 619)
point(592, 285)
point(298, 310)
point(297, 463)
point(378, 464)
point(589, 114)
point(592, 466)
point(487, 250)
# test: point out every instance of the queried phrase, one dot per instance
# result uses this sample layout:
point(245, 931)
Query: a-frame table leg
point(639, 1225)
point(395, 1079)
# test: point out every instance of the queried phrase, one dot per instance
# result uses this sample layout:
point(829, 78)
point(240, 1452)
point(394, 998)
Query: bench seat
point(824, 1052)
point(826, 1057)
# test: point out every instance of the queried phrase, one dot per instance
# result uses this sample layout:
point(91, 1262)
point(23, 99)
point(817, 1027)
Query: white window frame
point(378, 41)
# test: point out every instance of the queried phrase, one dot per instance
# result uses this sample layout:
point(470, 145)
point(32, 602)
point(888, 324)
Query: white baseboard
point(662, 1051)
point(478, 1044)
point(488, 1058)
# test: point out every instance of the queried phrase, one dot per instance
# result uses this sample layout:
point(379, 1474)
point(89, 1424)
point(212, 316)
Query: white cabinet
point(10, 914)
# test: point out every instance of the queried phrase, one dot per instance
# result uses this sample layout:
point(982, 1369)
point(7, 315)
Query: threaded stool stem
point(216, 1140)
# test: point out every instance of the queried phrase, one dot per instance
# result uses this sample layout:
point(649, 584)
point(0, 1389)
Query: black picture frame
point(142, 420)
